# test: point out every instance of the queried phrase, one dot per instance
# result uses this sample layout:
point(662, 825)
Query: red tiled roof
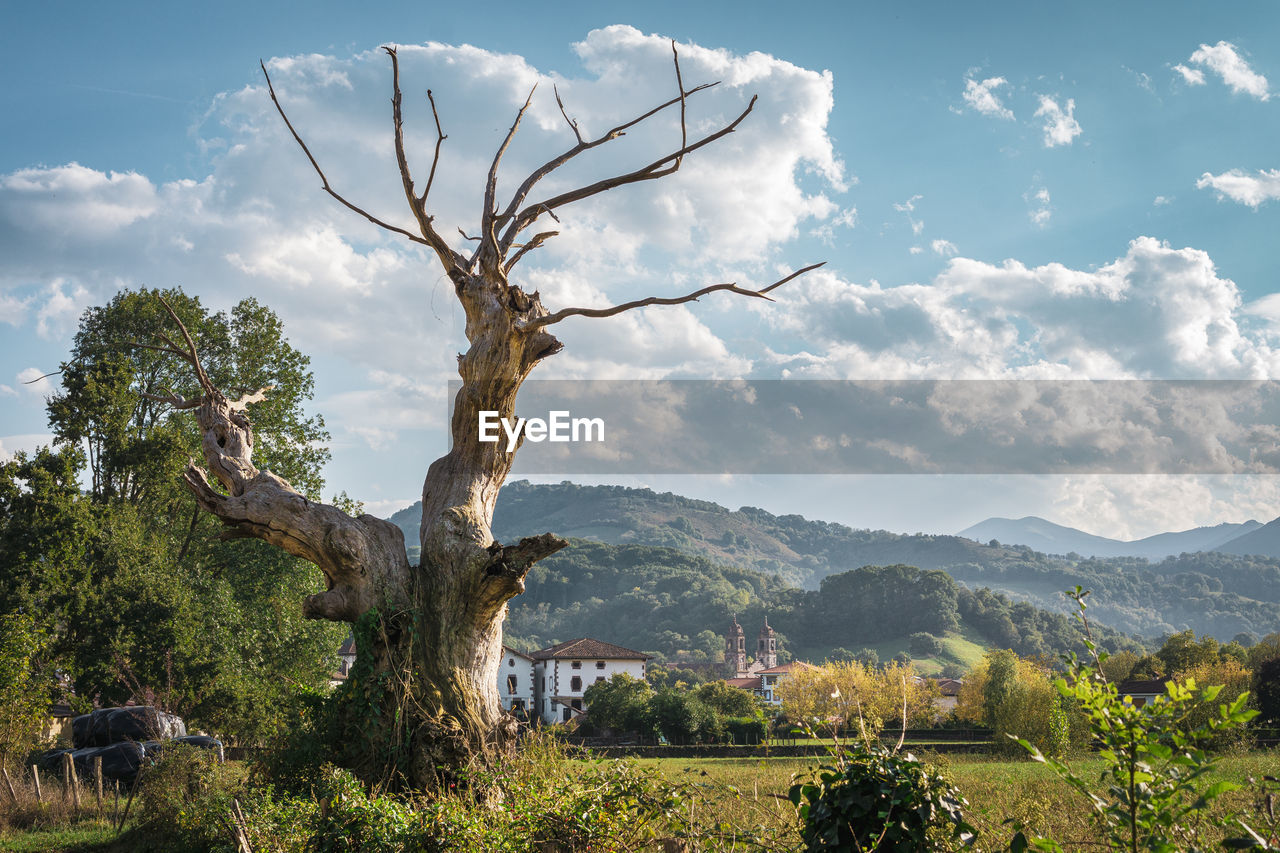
point(786, 668)
point(744, 683)
point(585, 648)
point(507, 650)
point(949, 686)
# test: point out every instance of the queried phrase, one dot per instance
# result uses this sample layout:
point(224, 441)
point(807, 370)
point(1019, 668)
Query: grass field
point(996, 790)
point(750, 795)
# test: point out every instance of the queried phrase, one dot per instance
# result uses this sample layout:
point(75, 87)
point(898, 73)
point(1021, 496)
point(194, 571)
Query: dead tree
point(423, 700)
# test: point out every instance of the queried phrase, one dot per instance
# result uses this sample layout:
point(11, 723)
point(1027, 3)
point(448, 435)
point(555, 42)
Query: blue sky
point(1026, 191)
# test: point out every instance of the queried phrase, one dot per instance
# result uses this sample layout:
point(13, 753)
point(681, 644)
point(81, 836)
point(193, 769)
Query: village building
point(1142, 691)
point(773, 676)
point(563, 672)
point(547, 685)
point(516, 682)
point(762, 674)
point(346, 660)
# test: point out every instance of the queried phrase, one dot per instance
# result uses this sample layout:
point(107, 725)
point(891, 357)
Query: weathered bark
point(423, 698)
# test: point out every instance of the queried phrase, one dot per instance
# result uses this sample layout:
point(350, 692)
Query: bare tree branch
point(173, 400)
point(551, 165)
point(448, 258)
point(684, 133)
point(191, 356)
point(731, 287)
point(518, 224)
point(573, 125)
point(435, 158)
point(324, 181)
point(488, 238)
point(247, 399)
point(657, 169)
point(538, 239)
point(38, 378)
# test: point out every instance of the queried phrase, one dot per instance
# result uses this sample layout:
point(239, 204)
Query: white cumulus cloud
point(1240, 186)
point(256, 224)
point(1040, 211)
point(1191, 76)
point(1060, 125)
point(1154, 312)
point(1224, 59)
point(981, 96)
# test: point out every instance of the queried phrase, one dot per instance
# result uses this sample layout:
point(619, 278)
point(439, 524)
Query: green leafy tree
point(1155, 778)
point(140, 593)
point(26, 686)
point(682, 717)
point(620, 703)
point(727, 701)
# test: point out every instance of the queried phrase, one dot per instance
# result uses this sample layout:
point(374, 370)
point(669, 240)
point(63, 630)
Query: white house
point(563, 672)
point(770, 679)
point(515, 680)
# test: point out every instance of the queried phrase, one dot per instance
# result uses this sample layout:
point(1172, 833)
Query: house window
point(599, 678)
point(577, 664)
point(511, 684)
point(511, 661)
point(599, 664)
point(567, 712)
point(575, 683)
point(577, 704)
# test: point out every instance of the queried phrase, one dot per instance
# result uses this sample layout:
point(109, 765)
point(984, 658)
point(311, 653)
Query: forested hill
point(668, 602)
point(795, 548)
point(1211, 593)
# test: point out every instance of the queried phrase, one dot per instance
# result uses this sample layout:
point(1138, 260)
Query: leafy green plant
point(1153, 787)
point(875, 799)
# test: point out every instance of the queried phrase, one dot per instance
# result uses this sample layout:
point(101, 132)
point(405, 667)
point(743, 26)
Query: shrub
point(922, 644)
point(875, 799)
point(1155, 753)
point(747, 731)
point(183, 799)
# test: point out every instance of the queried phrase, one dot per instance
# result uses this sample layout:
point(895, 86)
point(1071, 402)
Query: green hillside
point(1210, 593)
point(675, 605)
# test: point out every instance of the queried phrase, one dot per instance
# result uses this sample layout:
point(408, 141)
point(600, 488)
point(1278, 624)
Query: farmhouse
point(549, 683)
point(1142, 691)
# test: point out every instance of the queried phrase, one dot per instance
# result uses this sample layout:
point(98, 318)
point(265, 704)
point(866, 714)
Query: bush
point(924, 645)
point(746, 731)
point(875, 799)
point(183, 797)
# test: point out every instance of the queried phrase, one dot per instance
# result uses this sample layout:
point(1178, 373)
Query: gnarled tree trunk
point(422, 702)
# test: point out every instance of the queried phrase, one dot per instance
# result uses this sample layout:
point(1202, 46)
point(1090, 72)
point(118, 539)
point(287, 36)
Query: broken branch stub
point(363, 559)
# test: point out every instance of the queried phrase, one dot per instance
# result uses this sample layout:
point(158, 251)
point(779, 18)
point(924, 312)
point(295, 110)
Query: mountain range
point(1049, 538)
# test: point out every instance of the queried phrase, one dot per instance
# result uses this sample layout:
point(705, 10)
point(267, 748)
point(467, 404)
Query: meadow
point(741, 804)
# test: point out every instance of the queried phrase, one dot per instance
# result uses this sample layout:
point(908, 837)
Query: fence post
point(97, 775)
point(12, 793)
point(35, 774)
point(72, 780)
